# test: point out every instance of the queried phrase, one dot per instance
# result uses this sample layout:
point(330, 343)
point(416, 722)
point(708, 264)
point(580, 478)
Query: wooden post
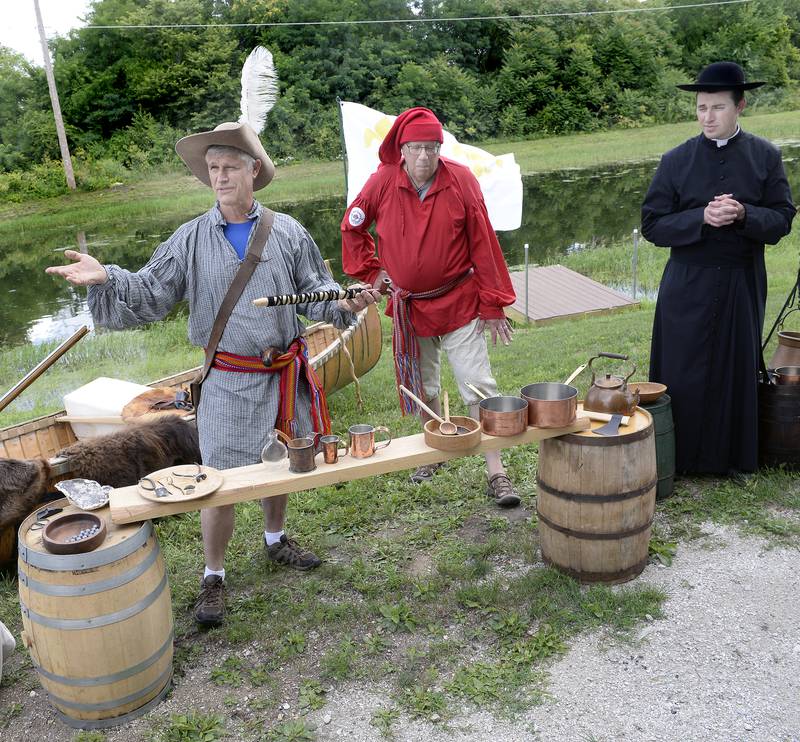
point(51, 84)
point(527, 315)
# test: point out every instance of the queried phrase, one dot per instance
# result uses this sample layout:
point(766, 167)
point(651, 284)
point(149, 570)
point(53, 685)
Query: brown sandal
point(502, 492)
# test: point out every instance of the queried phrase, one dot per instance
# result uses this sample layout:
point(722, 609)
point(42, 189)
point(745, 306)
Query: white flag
point(499, 176)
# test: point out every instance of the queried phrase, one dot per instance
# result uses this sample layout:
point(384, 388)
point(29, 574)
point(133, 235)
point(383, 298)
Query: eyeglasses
point(416, 149)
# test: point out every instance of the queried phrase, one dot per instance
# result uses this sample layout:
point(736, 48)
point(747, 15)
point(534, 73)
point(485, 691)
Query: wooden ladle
point(459, 429)
point(447, 427)
point(425, 407)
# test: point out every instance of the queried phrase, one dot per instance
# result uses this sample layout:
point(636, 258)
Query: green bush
point(47, 179)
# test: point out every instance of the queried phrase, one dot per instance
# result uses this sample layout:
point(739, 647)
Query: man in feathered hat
point(243, 400)
point(715, 200)
point(449, 279)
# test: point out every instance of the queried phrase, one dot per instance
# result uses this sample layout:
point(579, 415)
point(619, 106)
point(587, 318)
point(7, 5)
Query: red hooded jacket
point(423, 245)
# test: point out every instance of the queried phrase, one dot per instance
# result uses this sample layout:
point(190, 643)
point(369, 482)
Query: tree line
point(128, 94)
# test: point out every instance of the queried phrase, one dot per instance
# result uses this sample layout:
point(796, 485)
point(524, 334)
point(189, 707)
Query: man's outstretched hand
point(84, 271)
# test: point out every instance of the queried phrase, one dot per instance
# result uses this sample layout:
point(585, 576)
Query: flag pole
point(344, 144)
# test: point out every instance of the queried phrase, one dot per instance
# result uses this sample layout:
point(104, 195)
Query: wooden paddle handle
point(425, 407)
point(36, 372)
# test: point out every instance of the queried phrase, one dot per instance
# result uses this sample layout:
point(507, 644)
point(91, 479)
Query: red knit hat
point(413, 125)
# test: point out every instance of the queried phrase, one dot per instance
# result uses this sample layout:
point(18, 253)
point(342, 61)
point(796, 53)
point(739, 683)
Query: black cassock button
point(722, 177)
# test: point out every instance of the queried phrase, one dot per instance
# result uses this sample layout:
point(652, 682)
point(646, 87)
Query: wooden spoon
point(425, 407)
point(447, 427)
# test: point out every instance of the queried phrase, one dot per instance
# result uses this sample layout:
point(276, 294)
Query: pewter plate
point(85, 494)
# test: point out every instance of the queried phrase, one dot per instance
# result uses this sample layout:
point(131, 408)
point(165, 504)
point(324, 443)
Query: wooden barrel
point(664, 428)
point(98, 625)
point(596, 499)
point(779, 425)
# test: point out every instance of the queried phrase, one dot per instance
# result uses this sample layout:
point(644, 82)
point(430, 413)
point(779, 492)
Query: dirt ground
point(723, 664)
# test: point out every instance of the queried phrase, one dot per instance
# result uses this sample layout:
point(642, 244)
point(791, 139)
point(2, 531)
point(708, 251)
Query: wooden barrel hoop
point(98, 625)
point(596, 500)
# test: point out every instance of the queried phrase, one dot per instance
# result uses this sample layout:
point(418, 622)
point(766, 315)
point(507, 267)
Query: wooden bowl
point(458, 442)
point(56, 533)
point(649, 391)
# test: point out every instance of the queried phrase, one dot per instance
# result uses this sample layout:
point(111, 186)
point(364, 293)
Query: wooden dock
point(556, 292)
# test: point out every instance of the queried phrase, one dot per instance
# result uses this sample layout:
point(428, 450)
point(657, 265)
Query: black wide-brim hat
point(720, 76)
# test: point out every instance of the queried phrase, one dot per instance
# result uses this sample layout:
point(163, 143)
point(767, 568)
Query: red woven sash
point(404, 339)
point(290, 365)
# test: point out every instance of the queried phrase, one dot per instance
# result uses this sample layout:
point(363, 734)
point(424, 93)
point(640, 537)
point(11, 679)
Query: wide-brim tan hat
point(192, 150)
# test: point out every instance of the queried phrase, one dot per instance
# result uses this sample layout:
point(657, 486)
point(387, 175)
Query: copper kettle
point(610, 393)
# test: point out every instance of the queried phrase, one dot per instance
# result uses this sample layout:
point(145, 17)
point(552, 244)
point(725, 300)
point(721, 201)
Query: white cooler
point(102, 397)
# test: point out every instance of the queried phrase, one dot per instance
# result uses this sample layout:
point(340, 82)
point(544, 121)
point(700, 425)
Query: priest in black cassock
point(715, 200)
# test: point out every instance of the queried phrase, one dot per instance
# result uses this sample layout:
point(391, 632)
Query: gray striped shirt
point(197, 263)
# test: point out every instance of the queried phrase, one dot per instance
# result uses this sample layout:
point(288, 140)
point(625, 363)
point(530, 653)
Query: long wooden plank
point(257, 481)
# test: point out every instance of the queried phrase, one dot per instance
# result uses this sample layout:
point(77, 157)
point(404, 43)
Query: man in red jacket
point(449, 281)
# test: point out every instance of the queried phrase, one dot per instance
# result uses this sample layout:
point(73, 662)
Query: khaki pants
point(468, 356)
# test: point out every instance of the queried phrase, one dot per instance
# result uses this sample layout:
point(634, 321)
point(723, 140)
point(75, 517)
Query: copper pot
point(788, 351)
point(503, 415)
point(550, 405)
point(787, 375)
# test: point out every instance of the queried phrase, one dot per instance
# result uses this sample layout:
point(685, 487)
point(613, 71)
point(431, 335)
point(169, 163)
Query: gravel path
point(722, 666)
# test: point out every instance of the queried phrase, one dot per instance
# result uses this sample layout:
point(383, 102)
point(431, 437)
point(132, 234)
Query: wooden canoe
point(330, 354)
point(43, 436)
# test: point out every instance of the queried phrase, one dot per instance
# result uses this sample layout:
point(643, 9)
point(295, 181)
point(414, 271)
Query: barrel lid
point(30, 536)
point(639, 423)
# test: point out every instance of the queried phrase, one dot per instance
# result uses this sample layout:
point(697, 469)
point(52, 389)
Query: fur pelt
point(121, 459)
point(23, 484)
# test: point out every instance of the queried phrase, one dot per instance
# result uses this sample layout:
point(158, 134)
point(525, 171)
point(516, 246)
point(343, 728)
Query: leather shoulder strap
point(251, 260)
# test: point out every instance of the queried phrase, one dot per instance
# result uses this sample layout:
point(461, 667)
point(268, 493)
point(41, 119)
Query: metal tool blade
point(611, 427)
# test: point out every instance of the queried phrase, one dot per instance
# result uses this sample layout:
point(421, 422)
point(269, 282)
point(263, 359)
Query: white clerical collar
point(723, 142)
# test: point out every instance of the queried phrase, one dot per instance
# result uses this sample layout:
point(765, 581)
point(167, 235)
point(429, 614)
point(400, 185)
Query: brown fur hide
point(23, 484)
point(123, 458)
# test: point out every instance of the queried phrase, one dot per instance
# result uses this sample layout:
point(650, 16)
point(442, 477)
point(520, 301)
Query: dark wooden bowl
point(58, 530)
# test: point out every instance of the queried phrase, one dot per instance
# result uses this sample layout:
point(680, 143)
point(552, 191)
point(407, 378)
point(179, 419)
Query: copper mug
point(362, 440)
point(330, 448)
point(302, 454)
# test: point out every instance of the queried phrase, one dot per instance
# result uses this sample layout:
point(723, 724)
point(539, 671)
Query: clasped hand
point(723, 210)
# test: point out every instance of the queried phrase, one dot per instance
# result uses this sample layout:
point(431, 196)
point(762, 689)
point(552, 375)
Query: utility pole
point(51, 84)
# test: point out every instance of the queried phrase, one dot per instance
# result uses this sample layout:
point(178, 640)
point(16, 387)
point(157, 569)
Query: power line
point(529, 16)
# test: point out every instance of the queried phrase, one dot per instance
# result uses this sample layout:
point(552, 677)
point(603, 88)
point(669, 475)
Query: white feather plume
point(259, 88)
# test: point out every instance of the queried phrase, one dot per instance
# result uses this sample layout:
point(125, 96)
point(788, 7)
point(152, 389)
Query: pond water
point(562, 211)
